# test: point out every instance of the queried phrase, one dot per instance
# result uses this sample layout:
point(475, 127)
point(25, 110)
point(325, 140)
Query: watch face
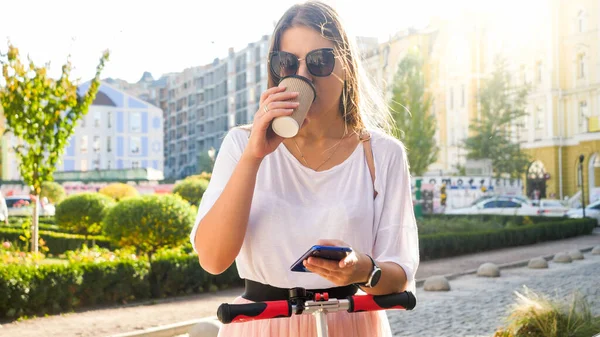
point(376, 277)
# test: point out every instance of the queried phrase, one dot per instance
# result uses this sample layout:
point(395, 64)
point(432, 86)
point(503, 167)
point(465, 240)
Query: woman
point(270, 199)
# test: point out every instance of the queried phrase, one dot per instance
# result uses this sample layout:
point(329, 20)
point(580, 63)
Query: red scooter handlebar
point(233, 313)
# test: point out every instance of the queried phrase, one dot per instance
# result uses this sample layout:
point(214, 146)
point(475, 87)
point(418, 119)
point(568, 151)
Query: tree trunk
point(34, 226)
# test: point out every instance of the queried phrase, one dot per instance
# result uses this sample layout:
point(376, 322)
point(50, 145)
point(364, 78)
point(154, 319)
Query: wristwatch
point(373, 277)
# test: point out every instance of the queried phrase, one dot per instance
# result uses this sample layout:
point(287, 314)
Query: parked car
point(23, 206)
point(501, 205)
point(552, 207)
point(591, 211)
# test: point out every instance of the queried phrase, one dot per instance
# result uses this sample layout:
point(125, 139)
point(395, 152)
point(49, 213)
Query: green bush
point(56, 288)
point(433, 246)
point(119, 191)
point(57, 243)
point(191, 189)
point(149, 222)
point(537, 315)
point(53, 191)
point(83, 213)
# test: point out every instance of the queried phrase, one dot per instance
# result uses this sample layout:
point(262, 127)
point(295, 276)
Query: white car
point(591, 211)
point(500, 206)
point(552, 207)
point(23, 206)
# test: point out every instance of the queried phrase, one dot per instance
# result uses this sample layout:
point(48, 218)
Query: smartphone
point(325, 252)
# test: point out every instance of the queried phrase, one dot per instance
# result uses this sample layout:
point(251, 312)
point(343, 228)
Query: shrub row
point(54, 288)
point(434, 246)
point(57, 243)
point(57, 288)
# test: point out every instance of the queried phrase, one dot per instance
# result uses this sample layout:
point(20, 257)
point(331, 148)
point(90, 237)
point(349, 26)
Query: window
point(108, 164)
point(135, 122)
point(109, 119)
point(451, 98)
point(96, 144)
point(84, 165)
point(508, 204)
point(462, 99)
point(490, 204)
point(135, 145)
point(108, 144)
point(581, 66)
point(96, 163)
point(135, 164)
point(539, 118)
point(97, 118)
point(538, 72)
point(84, 144)
point(580, 26)
point(583, 112)
point(83, 121)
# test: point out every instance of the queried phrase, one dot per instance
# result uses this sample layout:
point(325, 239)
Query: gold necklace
point(326, 160)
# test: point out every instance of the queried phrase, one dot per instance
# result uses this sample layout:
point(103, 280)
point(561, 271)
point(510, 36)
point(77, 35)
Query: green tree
point(41, 112)
point(502, 107)
point(415, 124)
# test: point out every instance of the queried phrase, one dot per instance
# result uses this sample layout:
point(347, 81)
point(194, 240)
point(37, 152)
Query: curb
point(509, 265)
point(181, 328)
point(168, 330)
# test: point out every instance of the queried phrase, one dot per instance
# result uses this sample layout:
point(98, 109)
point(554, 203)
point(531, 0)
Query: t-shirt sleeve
point(229, 154)
point(396, 236)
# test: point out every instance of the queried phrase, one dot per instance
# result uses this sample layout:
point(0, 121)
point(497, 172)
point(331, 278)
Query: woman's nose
point(303, 70)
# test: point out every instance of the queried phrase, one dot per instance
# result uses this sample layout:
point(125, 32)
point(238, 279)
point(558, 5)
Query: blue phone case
point(326, 252)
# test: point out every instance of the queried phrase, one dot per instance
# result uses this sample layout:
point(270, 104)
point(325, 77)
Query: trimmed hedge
point(57, 243)
point(500, 219)
point(451, 244)
point(56, 288)
point(42, 226)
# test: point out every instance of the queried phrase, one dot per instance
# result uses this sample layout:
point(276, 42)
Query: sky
point(169, 36)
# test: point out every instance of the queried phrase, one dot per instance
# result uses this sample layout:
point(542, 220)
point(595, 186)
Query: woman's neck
point(320, 130)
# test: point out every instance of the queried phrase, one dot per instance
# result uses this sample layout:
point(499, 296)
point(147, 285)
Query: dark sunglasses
point(319, 62)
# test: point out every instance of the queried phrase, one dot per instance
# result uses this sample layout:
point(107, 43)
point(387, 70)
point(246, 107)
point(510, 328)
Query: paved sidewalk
point(109, 321)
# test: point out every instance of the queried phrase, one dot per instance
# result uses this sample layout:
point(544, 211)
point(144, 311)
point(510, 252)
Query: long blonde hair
point(362, 105)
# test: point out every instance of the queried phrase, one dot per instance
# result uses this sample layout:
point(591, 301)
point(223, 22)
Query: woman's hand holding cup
point(273, 103)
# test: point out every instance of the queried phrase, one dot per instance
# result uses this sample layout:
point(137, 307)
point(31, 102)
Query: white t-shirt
point(294, 206)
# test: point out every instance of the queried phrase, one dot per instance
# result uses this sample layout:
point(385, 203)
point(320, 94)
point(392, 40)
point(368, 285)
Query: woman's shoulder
point(385, 146)
point(239, 134)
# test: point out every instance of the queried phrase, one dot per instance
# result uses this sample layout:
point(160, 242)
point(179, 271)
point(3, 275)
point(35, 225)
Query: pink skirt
point(340, 324)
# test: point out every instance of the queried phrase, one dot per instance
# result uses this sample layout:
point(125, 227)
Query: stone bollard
point(488, 270)
point(205, 329)
point(538, 263)
point(596, 250)
point(562, 258)
point(576, 254)
point(436, 283)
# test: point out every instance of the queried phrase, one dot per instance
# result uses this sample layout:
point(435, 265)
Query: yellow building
point(555, 49)
point(561, 63)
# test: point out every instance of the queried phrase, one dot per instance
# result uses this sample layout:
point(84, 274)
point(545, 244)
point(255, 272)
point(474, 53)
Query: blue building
point(119, 131)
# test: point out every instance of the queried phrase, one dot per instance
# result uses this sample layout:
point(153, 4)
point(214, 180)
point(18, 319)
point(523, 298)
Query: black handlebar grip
point(404, 300)
point(233, 313)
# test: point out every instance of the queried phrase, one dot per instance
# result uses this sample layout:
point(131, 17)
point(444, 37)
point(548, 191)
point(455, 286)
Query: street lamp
point(581, 157)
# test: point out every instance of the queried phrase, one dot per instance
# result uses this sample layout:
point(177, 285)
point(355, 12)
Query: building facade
point(203, 103)
point(119, 131)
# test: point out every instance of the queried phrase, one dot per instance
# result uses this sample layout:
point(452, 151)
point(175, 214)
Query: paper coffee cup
point(288, 126)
